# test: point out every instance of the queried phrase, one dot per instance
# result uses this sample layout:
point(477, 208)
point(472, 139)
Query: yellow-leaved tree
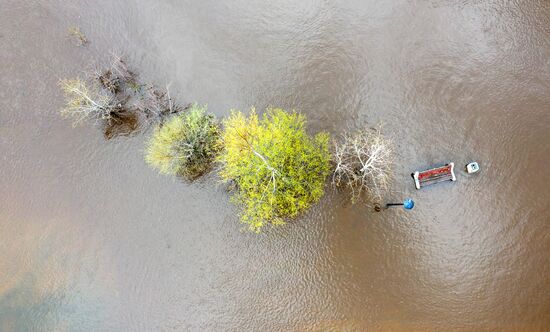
point(278, 168)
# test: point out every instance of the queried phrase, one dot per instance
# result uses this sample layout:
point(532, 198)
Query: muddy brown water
point(91, 239)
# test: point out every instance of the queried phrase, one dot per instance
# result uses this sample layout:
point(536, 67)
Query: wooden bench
point(434, 175)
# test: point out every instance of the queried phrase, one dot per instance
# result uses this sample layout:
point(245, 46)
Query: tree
point(279, 170)
point(115, 96)
point(154, 103)
point(87, 101)
point(363, 163)
point(117, 76)
point(185, 144)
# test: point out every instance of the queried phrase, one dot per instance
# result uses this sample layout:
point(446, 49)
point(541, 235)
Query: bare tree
point(87, 101)
point(117, 76)
point(363, 163)
point(155, 104)
point(145, 101)
point(121, 70)
point(114, 94)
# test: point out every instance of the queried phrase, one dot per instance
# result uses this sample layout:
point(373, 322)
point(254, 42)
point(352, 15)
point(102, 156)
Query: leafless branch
point(274, 172)
point(117, 77)
point(363, 163)
point(87, 101)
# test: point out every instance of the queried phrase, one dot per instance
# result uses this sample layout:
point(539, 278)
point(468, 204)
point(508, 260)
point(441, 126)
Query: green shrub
point(279, 170)
point(185, 144)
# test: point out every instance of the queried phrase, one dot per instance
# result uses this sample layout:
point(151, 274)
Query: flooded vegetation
point(186, 144)
point(278, 170)
point(95, 239)
point(115, 97)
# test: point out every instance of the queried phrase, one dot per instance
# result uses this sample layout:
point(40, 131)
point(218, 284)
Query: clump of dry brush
point(363, 162)
point(87, 101)
point(115, 96)
point(153, 103)
point(78, 35)
point(116, 76)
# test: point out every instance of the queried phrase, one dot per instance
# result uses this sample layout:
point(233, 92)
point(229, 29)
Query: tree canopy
point(363, 162)
point(186, 144)
point(278, 168)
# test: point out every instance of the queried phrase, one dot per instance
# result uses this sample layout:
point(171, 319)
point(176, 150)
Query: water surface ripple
point(94, 240)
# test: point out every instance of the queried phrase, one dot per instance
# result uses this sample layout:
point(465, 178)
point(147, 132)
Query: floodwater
point(91, 239)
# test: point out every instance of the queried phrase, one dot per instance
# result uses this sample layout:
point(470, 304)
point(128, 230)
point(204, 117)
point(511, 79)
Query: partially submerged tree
point(278, 168)
point(87, 101)
point(186, 144)
point(117, 76)
point(147, 101)
point(363, 163)
point(115, 96)
point(155, 104)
